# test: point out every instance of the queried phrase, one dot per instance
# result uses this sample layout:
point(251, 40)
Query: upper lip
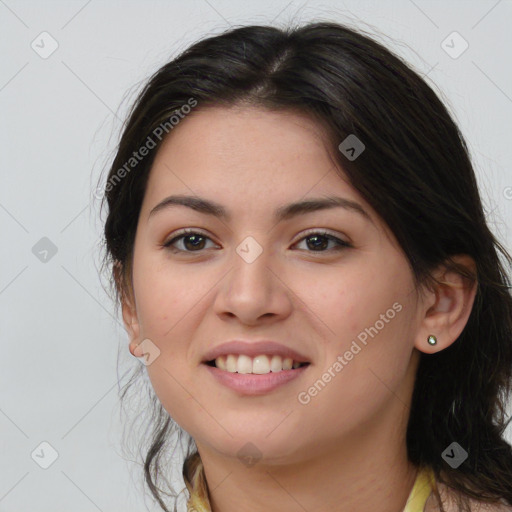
point(253, 349)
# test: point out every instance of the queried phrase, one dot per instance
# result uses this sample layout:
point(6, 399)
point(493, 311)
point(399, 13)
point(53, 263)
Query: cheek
point(354, 301)
point(370, 317)
point(359, 380)
point(168, 305)
point(164, 296)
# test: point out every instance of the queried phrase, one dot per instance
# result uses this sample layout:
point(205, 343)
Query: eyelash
point(341, 244)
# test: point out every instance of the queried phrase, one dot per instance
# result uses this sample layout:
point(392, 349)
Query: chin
point(258, 448)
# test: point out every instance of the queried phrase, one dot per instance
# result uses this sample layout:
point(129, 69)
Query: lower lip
point(254, 384)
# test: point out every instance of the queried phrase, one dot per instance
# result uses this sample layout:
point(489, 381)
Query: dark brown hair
point(415, 172)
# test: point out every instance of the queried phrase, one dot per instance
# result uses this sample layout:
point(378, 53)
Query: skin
point(344, 450)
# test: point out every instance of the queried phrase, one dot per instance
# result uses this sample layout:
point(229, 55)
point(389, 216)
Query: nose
point(253, 291)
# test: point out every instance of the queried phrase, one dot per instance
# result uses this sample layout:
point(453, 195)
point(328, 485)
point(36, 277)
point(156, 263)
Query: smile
point(259, 365)
point(246, 382)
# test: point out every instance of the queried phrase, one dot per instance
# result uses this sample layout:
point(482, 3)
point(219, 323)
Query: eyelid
point(323, 232)
point(185, 231)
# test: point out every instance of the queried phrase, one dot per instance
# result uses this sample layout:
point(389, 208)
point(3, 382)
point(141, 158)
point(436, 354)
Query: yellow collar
point(416, 501)
point(423, 486)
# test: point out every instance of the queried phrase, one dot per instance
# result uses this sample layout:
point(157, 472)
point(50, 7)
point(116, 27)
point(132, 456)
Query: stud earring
point(432, 340)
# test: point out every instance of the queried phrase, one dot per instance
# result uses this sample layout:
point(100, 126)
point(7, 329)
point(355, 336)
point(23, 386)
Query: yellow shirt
point(416, 501)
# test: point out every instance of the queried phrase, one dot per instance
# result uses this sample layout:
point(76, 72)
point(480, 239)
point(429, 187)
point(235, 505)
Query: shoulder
point(478, 506)
point(449, 499)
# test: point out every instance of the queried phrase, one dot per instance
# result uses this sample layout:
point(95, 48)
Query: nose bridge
point(251, 288)
point(251, 263)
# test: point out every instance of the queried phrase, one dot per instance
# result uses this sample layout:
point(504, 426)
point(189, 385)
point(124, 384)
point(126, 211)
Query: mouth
point(259, 365)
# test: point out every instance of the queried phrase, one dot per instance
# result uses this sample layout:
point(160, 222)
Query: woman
point(303, 264)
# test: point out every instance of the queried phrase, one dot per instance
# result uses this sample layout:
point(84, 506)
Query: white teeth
point(258, 365)
point(230, 363)
point(221, 363)
point(287, 363)
point(244, 364)
point(276, 364)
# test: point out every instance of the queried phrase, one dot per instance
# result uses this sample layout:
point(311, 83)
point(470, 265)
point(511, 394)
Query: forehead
point(246, 137)
point(241, 146)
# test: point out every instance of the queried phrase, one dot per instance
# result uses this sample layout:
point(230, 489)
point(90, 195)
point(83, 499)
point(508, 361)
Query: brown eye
point(192, 241)
point(318, 242)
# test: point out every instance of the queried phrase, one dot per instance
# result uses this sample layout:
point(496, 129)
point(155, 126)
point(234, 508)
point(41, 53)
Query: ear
point(446, 307)
point(132, 326)
point(129, 310)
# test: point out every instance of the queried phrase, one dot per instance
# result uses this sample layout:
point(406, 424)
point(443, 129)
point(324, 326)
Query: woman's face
point(348, 306)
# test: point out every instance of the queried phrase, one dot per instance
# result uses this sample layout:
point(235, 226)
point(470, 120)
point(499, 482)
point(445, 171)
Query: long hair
point(415, 172)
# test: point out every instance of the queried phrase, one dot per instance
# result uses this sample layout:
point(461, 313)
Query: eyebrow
point(209, 207)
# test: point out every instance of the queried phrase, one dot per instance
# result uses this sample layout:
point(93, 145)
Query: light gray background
point(60, 119)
